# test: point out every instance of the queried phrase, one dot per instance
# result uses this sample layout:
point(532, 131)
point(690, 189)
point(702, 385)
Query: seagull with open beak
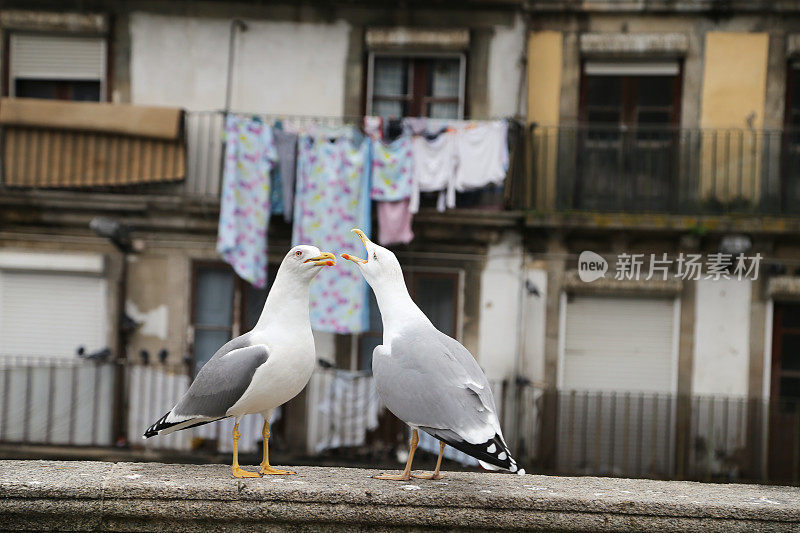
point(262, 369)
point(426, 378)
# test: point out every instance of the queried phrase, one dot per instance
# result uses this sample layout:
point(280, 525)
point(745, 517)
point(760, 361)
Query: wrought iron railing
point(665, 170)
point(632, 434)
point(203, 132)
point(56, 401)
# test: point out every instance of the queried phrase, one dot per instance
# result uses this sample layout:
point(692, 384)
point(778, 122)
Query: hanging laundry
point(416, 125)
point(350, 409)
point(331, 198)
point(373, 126)
point(250, 155)
point(392, 129)
point(286, 145)
point(392, 170)
point(394, 223)
point(482, 152)
point(339, 131)
point(434, 170)
point(275, 192)
point(392, 183)
point(427, 126)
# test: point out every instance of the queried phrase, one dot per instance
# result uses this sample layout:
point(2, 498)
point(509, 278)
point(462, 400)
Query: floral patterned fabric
point(392, 170)
point(331, 198)
point(250, 155)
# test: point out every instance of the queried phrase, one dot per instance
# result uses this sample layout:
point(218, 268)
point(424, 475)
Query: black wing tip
point(160, 424)
point(494, 452)
point(154, 430)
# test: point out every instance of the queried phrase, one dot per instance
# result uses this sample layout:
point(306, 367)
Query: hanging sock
point(250, 156)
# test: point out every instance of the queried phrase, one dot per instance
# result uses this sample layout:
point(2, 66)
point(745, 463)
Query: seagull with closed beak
point(426, 378)
point(262, 369)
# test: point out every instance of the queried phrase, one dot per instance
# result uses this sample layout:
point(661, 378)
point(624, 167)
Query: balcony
point(79, 160)
point(604, 169)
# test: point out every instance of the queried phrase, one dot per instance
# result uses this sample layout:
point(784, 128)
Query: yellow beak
point(323, 259)
point(365, 240)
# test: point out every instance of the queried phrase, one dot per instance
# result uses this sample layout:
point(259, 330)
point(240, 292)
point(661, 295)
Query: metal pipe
point(236, 24)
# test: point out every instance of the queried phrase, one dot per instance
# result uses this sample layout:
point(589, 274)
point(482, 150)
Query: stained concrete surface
point(63, 495)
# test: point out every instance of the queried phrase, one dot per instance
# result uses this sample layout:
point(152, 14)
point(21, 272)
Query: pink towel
point(394, 223)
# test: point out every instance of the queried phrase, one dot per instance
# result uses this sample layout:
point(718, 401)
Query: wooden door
point(784, 405)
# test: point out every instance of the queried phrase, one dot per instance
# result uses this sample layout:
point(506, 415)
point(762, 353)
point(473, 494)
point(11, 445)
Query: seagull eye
point(374, 256)
point(298, 253)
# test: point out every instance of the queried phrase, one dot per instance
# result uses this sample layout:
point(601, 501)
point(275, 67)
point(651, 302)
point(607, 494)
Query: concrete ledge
point(149, 496)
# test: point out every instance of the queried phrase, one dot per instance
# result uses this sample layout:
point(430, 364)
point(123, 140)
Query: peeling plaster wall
point(158, 297)
point(506, 70)
point(535, 309)
point(279, 67)
point(498, 331)
point(722, 337)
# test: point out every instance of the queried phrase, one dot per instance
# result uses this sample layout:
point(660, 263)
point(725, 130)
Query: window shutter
point(631, 68)
point(57, 57)
point(619, 344)
point(50, 314)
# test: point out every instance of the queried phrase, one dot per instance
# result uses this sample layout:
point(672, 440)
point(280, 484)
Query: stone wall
point(149, 496)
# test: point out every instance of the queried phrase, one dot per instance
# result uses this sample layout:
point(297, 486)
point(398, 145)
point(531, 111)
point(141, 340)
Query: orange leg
point(435, 474)
point(406, 475)
point(266, 469)
point(238, 471)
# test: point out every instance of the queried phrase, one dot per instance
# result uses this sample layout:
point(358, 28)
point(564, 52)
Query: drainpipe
point(118, 234)
point(236, 24)
point(518, 378)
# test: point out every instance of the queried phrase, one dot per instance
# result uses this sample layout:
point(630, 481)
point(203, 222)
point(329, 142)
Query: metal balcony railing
point(633, 434)
point(100, 154)
point(204, 168)
point(665, 170)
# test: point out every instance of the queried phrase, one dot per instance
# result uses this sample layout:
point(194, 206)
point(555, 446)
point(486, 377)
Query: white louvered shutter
point(50, 314)
point(619, 344)
point(57, 57)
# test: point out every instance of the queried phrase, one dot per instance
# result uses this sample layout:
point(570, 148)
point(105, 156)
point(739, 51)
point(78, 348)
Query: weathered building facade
point(650, 128)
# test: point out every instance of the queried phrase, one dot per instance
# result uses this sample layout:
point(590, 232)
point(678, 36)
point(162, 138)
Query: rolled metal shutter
point(50, 314)
point(619, 344)
point(51, 57)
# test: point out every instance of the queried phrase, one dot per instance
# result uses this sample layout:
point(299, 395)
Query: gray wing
point(428, 379)
point(222, 380)
point(431, 381)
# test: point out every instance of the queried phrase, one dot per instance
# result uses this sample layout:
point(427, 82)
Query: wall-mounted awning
point(53, 143)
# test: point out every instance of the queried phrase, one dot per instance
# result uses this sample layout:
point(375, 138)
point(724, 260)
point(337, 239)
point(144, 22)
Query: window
point(784, 396)
point(416, 86)
point(786, 352)
point(629, 113)
point(635, 94)
point(436, 293)
point(52, 304)
point(790, 184)
point(793, 99)
point(223, 307)
point(57, 67)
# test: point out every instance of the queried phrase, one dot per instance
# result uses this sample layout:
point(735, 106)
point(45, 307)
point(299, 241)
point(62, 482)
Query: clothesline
point(347, 119)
